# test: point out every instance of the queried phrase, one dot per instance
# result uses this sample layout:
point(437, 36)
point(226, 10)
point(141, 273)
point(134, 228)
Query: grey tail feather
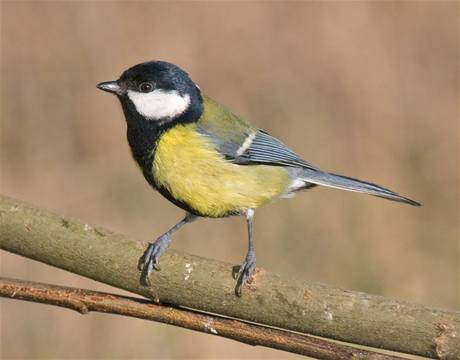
point(351, 184)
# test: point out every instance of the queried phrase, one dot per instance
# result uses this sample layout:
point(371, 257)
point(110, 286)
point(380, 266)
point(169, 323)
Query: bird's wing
point(261, 147)
point(243, 144)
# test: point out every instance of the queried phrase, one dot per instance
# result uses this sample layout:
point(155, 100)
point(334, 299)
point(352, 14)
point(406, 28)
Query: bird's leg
point(149, 260)
point(249, 264)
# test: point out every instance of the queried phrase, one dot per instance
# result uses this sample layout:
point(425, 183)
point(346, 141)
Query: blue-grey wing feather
point(268, 150)
point(263, 149)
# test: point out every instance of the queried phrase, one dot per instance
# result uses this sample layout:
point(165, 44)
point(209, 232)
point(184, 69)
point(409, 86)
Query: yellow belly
point(188, 166)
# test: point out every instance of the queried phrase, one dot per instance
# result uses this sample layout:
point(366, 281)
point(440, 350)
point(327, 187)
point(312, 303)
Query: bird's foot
point(245, 272)
point(151, 257)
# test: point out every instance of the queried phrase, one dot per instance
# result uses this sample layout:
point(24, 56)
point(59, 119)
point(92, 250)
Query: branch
point(207, 286)
point(85, 301)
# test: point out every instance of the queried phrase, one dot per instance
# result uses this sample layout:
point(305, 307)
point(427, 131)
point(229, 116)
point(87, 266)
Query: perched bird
point(208, 161)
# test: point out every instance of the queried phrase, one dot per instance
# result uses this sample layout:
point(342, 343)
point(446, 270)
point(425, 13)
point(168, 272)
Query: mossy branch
point(208, 286)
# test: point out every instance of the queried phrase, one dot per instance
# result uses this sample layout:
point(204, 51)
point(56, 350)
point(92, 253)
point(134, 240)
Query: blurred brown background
point(365, 89)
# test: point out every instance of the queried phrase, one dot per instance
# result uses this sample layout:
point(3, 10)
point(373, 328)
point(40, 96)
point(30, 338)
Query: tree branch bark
point(84, 301)
point(207, 286)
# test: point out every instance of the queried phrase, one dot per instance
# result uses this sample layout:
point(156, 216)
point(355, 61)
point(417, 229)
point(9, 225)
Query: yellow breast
point(189, 167)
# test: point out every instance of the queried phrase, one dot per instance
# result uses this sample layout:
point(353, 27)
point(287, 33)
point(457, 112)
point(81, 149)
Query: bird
point(208, 161)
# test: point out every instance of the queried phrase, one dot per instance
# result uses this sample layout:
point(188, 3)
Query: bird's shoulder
point(221, 122)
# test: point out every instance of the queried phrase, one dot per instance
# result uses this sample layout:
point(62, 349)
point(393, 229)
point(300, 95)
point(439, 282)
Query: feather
point(266, 149)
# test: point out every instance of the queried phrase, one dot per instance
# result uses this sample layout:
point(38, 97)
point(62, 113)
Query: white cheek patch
point(159, 104)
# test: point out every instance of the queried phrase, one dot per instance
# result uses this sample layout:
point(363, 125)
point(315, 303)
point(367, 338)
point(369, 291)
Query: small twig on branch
point(206, 285)
point(85, 301)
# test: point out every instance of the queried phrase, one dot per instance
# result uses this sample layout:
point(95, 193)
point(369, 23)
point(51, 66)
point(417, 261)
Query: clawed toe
point(150, 259)
point(245, 273)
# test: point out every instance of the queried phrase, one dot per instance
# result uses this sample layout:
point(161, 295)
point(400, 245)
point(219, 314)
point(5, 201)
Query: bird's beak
point(111, 87)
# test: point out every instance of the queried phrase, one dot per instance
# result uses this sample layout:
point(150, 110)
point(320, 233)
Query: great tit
point(208, 161)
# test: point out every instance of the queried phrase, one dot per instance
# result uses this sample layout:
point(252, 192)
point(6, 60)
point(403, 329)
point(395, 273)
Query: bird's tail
point(351, 184)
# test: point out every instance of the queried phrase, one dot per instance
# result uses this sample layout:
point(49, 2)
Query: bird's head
point(157, 91)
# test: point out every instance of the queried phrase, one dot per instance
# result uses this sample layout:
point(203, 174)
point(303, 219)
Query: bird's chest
point(188, 167)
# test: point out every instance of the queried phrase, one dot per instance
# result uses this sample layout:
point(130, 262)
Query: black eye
point(145, 87)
